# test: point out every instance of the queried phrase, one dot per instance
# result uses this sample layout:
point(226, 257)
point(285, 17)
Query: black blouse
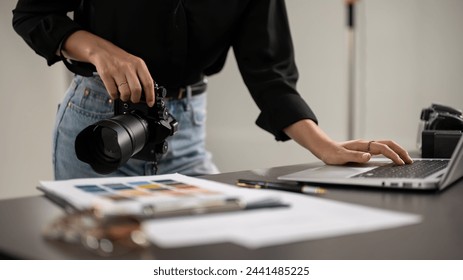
point(181, 41)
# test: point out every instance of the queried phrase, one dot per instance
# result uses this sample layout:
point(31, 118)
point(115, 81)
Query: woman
point(119, 49)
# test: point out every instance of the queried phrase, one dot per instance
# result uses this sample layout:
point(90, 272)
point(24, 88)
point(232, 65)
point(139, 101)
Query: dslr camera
point(440, 129)
point(135, 131)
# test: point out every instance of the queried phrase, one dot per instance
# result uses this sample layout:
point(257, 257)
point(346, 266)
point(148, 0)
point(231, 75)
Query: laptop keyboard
point(418, 169)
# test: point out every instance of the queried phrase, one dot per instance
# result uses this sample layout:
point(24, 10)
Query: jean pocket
point(91, 100)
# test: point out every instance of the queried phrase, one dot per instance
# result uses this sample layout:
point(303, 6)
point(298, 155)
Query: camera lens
point(108, 144)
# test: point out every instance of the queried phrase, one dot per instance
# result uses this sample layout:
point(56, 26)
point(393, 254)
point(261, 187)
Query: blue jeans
point(87, 102)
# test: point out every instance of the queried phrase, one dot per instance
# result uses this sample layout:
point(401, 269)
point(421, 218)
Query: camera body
point(442, 127)
point(135, 131)
point(440, 117)
point(157, 121)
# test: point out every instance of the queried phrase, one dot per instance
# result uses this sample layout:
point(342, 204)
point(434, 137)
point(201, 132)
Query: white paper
point(307, 218)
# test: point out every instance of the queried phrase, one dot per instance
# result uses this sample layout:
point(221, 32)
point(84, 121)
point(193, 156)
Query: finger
point(124, 91)
point(356, 145)
point(134, 87)
point(403, 154)
point(344, 155)
point(378, 147)
point(110, 86)
point(355, 156)
point(147, 83)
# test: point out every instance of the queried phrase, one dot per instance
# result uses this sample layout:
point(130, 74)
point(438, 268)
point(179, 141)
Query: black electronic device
point(442, 127)
point(439, 143)
point(135, 131)
point(441, 117)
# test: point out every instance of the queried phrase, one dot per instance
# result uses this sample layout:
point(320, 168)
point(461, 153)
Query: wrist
point(309, 135)
point(85, 47)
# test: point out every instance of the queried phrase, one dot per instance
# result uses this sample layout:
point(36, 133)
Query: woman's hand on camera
point(309, 135)
point(124, 75)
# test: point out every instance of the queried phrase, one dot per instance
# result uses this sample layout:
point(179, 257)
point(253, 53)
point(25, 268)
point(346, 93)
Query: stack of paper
point(303, 217)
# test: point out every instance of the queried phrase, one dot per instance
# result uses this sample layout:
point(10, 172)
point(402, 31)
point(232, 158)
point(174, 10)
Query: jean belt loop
point(188, 92)
point(188, 96)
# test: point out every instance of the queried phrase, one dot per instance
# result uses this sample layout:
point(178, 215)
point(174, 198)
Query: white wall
point(29, 94)
point(408, 55)
point(412, 57)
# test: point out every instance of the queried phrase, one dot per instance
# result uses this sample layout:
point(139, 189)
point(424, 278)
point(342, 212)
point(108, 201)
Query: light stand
point(352, 97)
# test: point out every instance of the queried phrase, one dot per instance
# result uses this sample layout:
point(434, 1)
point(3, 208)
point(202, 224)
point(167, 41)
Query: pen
point(280, 186)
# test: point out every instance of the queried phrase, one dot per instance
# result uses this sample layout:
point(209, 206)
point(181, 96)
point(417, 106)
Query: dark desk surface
point(438, 236)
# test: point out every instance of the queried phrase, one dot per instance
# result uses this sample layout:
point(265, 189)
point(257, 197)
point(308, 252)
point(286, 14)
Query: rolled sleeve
point(283, 111)
point(44, 25)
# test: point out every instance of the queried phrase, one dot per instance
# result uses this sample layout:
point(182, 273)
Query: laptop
point(422, 174)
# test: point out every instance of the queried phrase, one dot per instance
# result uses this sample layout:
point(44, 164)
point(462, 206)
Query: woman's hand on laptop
point(309, 135)
point(388, 148)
